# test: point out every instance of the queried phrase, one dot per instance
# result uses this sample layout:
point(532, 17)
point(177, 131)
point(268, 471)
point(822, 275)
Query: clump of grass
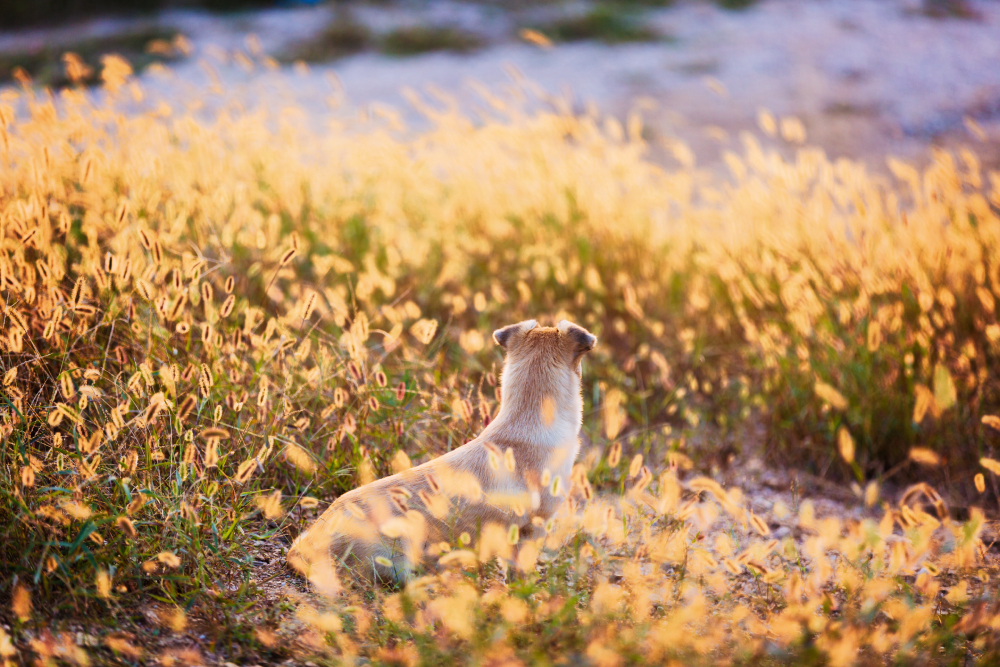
point(425, 39)
point(607, 23)
point(940, 9)
point(342, 37)
point(24, 13)
point(196, 352)
point(735, 5)
point(46, 65)
point(640, 3)
point(21, 13)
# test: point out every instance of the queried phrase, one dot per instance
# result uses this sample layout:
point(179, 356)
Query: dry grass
point(210, 322)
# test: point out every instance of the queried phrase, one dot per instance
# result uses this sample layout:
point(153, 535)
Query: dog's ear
point(503, 336)
point(583, 340)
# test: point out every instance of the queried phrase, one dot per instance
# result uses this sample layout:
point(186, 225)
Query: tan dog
point(505, 476)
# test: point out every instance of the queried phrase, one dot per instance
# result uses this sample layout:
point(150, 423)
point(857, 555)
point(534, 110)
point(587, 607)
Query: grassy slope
point(198, 346)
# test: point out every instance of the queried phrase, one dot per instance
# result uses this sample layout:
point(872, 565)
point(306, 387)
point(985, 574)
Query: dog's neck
point(536, 410)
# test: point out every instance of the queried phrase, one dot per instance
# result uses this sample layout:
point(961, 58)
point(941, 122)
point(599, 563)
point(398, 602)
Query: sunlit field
point(218, 319)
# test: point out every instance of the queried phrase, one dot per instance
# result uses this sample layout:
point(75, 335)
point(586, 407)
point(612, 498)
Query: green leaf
point(88, 528)
point(944, 388)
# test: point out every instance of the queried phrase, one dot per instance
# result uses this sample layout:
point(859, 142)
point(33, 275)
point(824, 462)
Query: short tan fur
point(393, 519)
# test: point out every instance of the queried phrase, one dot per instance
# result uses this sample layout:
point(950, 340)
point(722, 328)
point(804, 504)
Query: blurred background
point(862, 79)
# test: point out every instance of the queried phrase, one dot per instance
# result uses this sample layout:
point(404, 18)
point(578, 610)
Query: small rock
point(658, 596)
